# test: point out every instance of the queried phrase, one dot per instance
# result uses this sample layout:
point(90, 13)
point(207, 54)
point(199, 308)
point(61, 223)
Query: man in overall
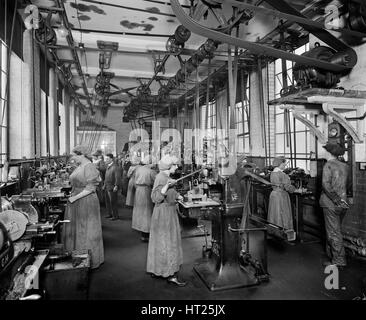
point(333, 200)
point(112, 183)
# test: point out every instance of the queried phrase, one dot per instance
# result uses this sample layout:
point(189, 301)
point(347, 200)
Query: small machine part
point(336, 133)
point(24, 203)
point(246, 260)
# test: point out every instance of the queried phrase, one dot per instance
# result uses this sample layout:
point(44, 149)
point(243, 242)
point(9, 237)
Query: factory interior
point(182, 150)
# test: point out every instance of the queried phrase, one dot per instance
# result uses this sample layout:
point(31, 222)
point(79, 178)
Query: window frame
point(279, 118)
point(4, 99)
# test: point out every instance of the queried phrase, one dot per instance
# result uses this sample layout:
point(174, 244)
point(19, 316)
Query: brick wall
point(354, 223)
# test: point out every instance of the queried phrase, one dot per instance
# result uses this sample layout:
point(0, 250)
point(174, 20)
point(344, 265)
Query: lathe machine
point(237, 255)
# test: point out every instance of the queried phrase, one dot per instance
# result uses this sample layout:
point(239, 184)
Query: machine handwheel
point(46, 34)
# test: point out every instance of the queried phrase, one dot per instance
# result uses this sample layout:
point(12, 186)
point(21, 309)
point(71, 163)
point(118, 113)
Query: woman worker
point(84, 232)
point(165, 254)
point(279, 212)
point(130, 198)
point(143, 206)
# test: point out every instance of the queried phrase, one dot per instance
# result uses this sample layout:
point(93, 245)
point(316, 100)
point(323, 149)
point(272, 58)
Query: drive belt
point(257, 48)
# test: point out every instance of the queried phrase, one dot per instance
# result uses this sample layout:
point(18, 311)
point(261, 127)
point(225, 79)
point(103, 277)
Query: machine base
point(229, 276)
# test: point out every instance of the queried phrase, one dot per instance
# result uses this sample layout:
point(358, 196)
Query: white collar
point(277, 169)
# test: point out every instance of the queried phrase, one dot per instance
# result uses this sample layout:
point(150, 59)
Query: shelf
point(301, 97)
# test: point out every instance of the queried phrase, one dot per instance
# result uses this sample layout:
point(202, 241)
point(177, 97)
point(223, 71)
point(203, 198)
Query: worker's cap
point(334, 148)
point(97, 153)
point(278, 160)
point(146, 159)
point(136, 160)
point(167, 161)
point(81, 150)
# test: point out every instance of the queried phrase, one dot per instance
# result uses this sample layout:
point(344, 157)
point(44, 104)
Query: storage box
point(67, 279)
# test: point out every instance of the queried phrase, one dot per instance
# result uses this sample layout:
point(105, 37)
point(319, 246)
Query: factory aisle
point(296, 271)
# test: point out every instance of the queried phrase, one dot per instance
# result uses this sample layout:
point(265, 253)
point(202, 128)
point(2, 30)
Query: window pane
point(280, 123)
point(2, 105)
point(240, 128)
point(290, 79)
point(246, 143)
point(300, 142)
point(4, 57)
point(303, 164)
point(300, 126)
point(4, 139)
point(278, 85)
point(240, 146)
point(246, 129)
point(288, 65)
point(278, 66)
point(280, 143)
point(3, 84)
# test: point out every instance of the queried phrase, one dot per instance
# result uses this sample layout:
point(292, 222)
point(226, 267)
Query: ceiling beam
point(93, 71)
point(128, 77)
point(123, 33)
point(132, 52)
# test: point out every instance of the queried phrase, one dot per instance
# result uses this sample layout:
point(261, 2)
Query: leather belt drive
point(348, 53)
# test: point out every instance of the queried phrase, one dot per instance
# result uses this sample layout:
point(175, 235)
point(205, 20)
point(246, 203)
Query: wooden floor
point(296, 271)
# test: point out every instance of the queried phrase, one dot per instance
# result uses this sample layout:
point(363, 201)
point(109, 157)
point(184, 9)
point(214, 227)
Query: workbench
point(305, 209)
point(197, 210)
point(22, 274)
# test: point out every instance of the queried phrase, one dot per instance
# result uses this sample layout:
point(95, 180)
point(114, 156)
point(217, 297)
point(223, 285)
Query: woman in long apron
point(130, 198)
point(84, 232)
point(165, 253)
point(279, 211)
point(143, 206)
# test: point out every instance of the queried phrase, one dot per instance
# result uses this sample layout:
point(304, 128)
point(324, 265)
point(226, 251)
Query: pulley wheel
point(219, 17)
point(15, 223)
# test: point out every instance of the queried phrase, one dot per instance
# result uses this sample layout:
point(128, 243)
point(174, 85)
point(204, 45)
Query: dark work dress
point(84, 232)
point(165, 253)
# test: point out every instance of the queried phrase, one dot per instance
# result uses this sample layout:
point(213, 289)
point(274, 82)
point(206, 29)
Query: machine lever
point(235, 230)
point(31, 297)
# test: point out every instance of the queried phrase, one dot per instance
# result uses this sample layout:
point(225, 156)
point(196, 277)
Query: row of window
point(3, 103)
point(292, 138)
